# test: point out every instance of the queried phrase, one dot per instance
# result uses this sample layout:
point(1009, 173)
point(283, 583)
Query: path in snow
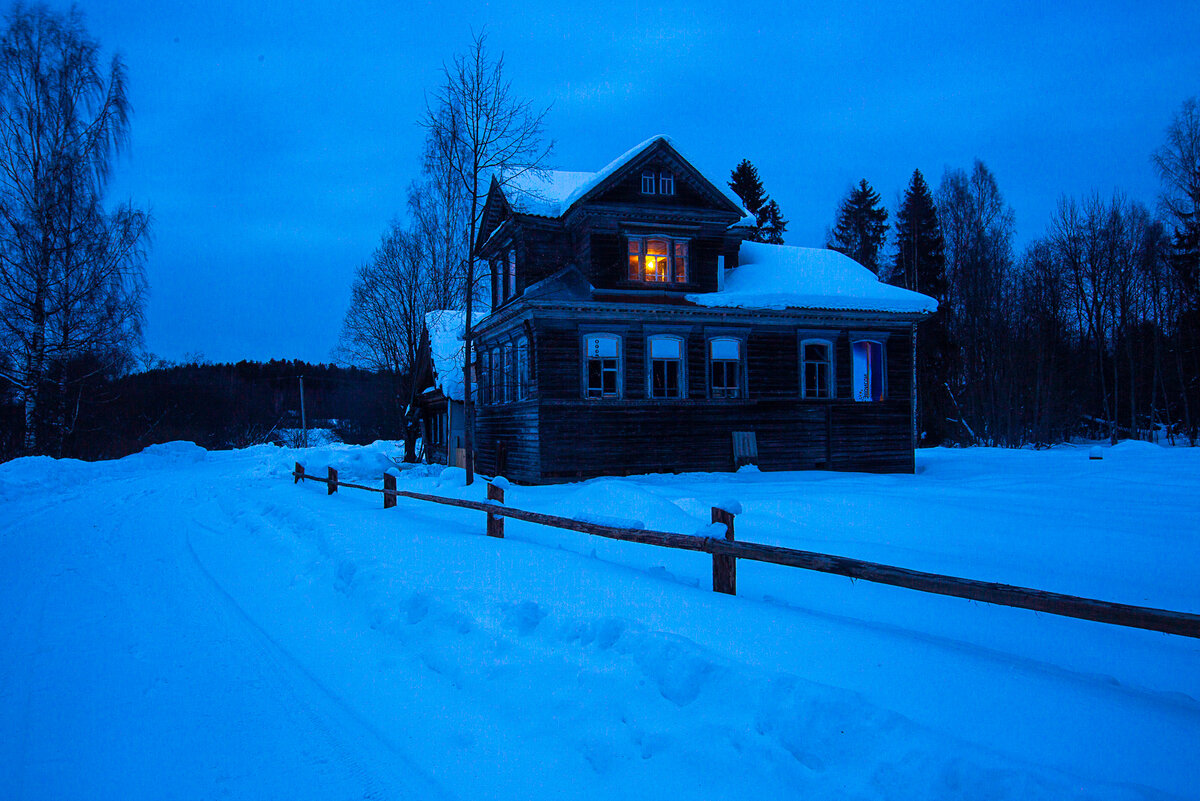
point(193, 625)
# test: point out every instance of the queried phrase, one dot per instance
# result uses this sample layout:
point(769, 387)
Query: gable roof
point(551, 193)
point(785, 277)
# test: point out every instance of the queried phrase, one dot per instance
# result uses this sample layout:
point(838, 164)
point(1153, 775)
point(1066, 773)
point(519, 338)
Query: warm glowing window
point(725, 367)
point(666, 367)
point(816, 368)
point(666, 183)
point(658, 260)
point(602, 362)
point(867, 379)
point(648, 183)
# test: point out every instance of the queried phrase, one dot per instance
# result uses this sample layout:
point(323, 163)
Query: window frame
point(674, 274)
point(681, 369)
point(710, 361)
point(649, 182)
point(666, 183)
point(521, 346)
point(870, 339)
point(510, 289)
point(496, 374)
point(585, 366)
point(828, 361)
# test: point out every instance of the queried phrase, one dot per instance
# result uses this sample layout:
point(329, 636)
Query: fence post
point(724, 567)
point(495, 524)
point(332, 481)
point(389, 490)
point(298, 474)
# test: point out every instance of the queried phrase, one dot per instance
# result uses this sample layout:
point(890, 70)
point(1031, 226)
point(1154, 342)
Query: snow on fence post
point(298, 473)
point(389, 490)
point(724, 567)
point(333, 483)
point(495, 523)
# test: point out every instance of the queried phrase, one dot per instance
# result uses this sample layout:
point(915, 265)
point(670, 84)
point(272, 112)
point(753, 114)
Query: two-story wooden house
point(632, 330)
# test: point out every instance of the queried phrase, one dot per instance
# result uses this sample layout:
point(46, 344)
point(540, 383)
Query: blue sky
point(274, 141)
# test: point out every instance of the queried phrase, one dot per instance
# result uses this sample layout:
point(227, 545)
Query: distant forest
point(214, 405)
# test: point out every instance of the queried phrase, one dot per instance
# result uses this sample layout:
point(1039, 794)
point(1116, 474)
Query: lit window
point(666, 367)
point(725, 367)
point(522, 368)
point(666, 184)
point(658, 260)
point(648, 182)
point(867, 378)
point(816, 369)
point(602, 361)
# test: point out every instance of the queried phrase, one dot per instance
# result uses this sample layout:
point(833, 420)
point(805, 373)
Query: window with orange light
point(658, 260)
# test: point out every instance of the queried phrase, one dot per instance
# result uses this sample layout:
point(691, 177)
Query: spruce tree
point(769, 223)
point(920, 265)
point(861, 226)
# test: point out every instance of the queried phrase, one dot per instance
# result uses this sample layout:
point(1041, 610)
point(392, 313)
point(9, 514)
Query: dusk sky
point(273, 142)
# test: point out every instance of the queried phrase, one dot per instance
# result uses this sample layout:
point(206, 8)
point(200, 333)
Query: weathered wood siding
point(510, 429)
point(560, 436)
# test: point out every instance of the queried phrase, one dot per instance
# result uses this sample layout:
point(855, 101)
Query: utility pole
point(303, 419)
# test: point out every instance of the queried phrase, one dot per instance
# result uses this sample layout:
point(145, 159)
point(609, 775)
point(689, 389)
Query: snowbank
point(785, 277)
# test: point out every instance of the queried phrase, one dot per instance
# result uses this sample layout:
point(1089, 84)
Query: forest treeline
point(1093, 330)
point(218, 406)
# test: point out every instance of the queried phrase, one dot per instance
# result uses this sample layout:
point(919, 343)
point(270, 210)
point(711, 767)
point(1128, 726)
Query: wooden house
point(633, 330)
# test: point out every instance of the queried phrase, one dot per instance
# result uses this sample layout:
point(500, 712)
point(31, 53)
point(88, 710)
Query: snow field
point(190, 624)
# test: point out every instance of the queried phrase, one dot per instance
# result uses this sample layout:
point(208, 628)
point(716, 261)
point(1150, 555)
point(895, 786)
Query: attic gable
point(552, 193)
point(657, 164)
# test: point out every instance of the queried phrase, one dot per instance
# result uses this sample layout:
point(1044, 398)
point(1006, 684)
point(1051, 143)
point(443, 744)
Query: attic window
point(658, 259)
point(648, 183)
point(666, 183)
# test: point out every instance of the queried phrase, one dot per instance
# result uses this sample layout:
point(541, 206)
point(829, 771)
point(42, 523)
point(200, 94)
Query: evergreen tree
point(772, 225)
point(861, 227)
point(769, 223)
point(920, 265)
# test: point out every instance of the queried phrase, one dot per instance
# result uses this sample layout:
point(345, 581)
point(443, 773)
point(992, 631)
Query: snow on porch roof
point(446, 349)
point(550, 193)
point(785, 277)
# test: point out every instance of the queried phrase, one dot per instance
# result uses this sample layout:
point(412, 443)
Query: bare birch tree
point(71, 273)
point(480, 129)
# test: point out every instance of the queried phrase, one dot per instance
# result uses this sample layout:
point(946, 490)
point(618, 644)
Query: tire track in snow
point(292, 678)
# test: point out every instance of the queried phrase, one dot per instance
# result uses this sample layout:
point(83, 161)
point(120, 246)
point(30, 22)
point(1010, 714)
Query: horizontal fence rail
point(725, 550)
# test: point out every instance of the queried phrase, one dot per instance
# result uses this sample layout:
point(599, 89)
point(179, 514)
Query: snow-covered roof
point(446, 350)
point(785, 277)
point(550, 193)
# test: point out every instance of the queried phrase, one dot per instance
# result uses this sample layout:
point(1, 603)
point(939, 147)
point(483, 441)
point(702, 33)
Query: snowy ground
point(183, 624)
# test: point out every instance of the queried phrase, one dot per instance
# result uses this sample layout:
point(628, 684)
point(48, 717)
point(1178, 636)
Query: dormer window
point(666, 183)
point(648, 183)
point(657, 259)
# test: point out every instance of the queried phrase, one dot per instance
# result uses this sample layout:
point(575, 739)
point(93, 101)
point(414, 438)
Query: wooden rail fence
point(719, 541)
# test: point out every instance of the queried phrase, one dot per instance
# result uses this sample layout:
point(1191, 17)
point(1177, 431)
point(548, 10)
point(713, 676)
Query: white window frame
point(649, 183)
point(830, 375)
point(681, 369)
point(588, 343)
point(739, 388)
point(510, 290)
point(856, 384)
point(666, 183)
